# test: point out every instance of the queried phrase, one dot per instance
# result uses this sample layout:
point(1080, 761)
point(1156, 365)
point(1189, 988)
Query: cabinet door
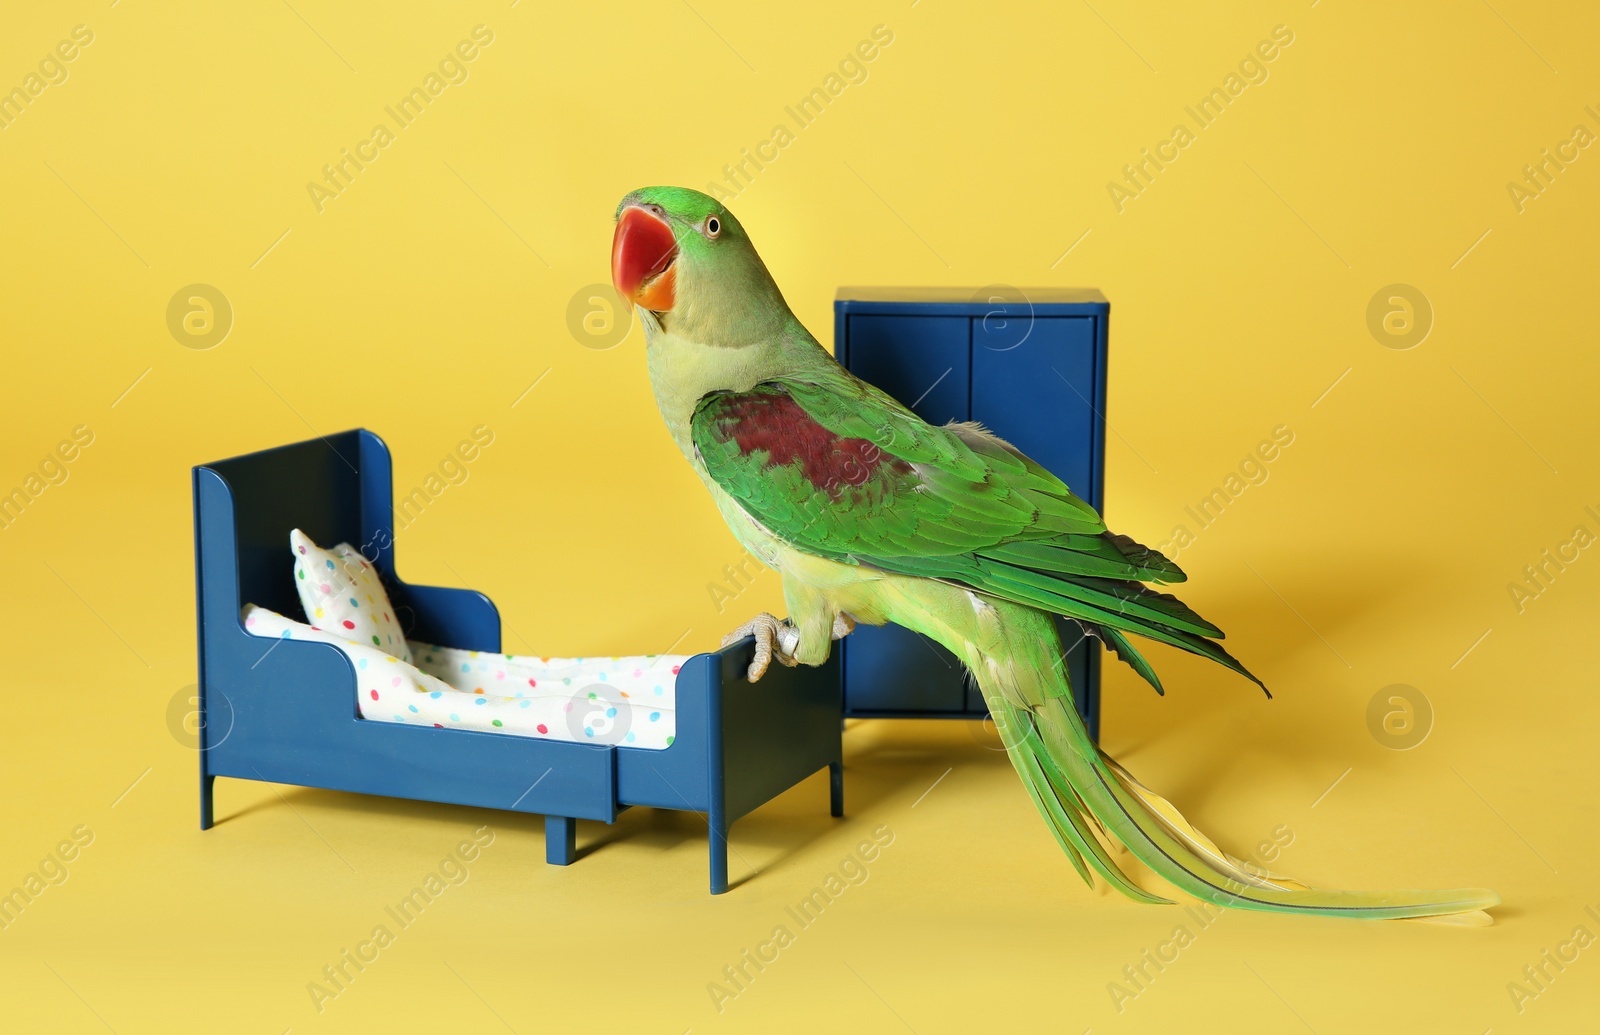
point(1038, 393)
point(923, 361)
point(1037, 390)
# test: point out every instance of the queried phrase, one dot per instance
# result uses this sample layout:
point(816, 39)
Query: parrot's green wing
point(837, 468)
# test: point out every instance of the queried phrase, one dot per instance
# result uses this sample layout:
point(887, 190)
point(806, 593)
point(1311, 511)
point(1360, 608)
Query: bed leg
point(835, 788)
point(718, 838)
point(560, 840)
point(207, 782)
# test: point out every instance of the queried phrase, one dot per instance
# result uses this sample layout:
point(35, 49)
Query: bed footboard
point(740, 744)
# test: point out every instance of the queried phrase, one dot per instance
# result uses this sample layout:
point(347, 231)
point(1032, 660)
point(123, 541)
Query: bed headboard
point(314, 486)
point(338, 488)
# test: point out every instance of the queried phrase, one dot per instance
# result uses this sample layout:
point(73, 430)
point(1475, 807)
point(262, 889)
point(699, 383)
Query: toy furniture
point(1030, 365)
point(285, 710)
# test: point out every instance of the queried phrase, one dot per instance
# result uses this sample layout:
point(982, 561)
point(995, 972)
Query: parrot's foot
point(843, 625)
point(774, 639)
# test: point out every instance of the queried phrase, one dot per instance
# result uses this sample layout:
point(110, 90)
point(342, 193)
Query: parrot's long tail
point(1088, 799)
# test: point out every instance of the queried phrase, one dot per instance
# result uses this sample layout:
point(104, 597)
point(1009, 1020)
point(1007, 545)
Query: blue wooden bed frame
point(285, 711)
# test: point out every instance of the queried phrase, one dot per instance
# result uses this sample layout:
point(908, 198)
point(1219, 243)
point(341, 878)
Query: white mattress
point(627, 701)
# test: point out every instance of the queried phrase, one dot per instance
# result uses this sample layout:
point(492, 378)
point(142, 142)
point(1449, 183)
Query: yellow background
point(428, 296)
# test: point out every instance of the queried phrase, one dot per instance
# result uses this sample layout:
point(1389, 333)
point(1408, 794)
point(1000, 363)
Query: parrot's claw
point(843, 625)
point(774, 639)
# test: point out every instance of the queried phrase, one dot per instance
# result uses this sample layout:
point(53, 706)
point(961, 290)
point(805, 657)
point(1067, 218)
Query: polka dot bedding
point(625, 701)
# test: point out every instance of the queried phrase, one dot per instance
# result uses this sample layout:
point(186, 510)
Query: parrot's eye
point(713, 227)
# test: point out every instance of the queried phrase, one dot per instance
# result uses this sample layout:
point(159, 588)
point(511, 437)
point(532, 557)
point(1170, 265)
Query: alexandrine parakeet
point(870, 514)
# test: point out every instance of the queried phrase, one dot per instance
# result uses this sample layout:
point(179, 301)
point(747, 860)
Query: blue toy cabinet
point(1030, 364)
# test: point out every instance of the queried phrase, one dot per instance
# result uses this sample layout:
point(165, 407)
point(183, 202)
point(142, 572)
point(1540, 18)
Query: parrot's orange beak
point(642, 256)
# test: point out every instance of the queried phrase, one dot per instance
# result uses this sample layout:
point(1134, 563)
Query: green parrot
point(872, 515)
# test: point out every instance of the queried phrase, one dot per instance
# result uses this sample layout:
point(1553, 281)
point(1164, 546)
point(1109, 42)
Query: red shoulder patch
point(771, 422)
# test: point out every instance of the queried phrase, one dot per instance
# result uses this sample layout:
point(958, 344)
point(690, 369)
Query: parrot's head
point(684, 259)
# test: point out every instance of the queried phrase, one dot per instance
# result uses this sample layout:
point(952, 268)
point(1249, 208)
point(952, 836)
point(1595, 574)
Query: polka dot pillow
point(341, 594)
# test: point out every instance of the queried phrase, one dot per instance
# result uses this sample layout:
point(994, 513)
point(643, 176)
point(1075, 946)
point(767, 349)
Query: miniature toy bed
point(286, 711)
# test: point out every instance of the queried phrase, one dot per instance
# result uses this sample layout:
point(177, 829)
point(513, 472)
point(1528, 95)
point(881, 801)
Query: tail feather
point(1071, 822)
point(1082, 793)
